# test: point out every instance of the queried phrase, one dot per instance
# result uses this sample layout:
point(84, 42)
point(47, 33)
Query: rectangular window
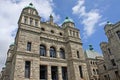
point(113, 62)
point(54, 72)
point(117, 75)
point(25, 20)
point(43, 72)
point(109, 50)
point(78, 56)
point(36, 23)
point(27, 69)
point(105, 77)
point(108, 77)
point(80, 70)
point(31, 21)
point(64, 73)
point(29, 46)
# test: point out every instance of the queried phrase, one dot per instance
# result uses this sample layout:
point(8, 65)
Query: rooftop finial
point(66, 17)
point(31, 4)
point(108, 22)
point(90, 47)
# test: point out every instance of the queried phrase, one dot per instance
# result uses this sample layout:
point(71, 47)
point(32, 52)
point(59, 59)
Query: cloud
point(9, 14)
point(89, 19)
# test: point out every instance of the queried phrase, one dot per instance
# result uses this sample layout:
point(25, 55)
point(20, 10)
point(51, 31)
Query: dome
point(30, 6)
point(67, 19)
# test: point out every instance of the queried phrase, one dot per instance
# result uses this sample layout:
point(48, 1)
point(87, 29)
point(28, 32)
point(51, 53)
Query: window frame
point(52, 52)
point(42, 51)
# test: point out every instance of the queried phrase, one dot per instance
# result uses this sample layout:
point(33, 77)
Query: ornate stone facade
point(110, 66)
point(92, 58)
point(45, 51)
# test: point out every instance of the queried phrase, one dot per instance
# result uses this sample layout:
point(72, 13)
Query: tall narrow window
point(74, 33)
point(118, 33)
point(108, 77)
point(105, 77)
point(104, 67)
point(78, 56)
point(80, 70)
point(70, 32)
point(94, 71)
point(64, 73)
point(31, 21)
point(52, 52)
point(62, 53)
point(27, 69)
point(43, 72)
point(25, 20)
point(117, 75)
point(29, 46)
point(109, 50)
point(97, 71)
point(54, 72)
point(42, 50)
point(36, 23)
point(113, 62)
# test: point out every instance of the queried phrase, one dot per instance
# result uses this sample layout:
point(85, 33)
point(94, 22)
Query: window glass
point(42, 50)
point(52, 52)
point(62, 53)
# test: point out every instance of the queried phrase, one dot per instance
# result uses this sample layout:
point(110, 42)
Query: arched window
point(62, 53)
point(42, 50)
point(52, 52)
point(118, 33)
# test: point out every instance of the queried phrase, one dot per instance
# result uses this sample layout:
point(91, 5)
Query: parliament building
point(44, 50)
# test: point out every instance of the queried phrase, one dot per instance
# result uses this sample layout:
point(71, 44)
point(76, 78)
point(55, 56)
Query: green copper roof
point(30, 6)
point(12, 44)
point(67, 19)
point(90, 53)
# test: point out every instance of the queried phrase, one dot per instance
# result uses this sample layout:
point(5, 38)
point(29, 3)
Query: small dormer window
point(42, 29)
point(60, 34)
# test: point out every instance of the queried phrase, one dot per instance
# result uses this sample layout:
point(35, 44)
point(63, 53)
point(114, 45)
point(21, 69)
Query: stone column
point(47, 52)
point(59, 73)
point(58, 54)
point(49, 72)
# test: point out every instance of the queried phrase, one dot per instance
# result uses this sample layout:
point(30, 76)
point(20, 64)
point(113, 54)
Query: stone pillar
point(59, 73)
point(58, 54)
point(47, 52)
point(49, 72)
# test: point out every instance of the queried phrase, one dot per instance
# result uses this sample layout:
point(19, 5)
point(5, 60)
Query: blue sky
point(89, 16)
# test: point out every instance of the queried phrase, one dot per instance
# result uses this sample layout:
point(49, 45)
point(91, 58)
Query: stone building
point(45, 51)
point(111, 53)
point(92, 57)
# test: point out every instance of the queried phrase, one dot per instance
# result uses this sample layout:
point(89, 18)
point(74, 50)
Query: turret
point(29, 16)
point(51, 19)
point(68, 22)
point(108, 28)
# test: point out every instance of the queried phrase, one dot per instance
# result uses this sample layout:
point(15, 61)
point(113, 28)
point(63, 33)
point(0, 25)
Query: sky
point(90, 16)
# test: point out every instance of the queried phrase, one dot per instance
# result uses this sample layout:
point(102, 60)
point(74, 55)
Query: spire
point(109, 23)
point(67, 19)
point(51, 19)
point(30, 6)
